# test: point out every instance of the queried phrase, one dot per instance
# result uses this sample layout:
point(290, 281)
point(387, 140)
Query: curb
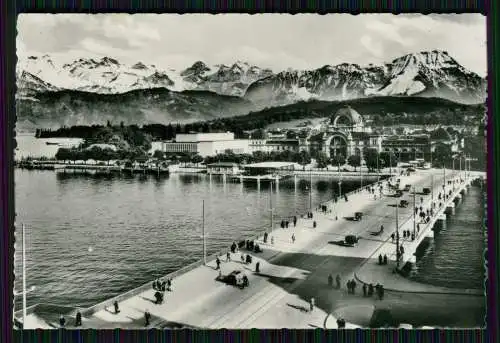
point(468, 292)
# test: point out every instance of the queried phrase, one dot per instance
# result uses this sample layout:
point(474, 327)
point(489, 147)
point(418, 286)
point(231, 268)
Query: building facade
point(206, 144)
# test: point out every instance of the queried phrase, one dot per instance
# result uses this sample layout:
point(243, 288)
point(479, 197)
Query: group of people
point(337, 281)
point(382, 259)
point(160, 286)
point(351, 286)
point(78, 319)
point(369, 289)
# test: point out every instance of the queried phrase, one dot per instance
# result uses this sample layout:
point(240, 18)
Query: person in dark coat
point(115, 304)
point(257, 267)
point(353, 286)
point(62, 321)
point(314, 224)
point(380, 259)
point(147, 318)
point(370, 290)
point(217, 261)
point(282, 224)
point(228, 256)
point(78, 319)
point(330, 280)
point(294, 221)
point(287, 223)
point(233, 246)
point(392, 237)
point(349, 286)
point(385, 259)
point(364, 289)
point(337, 280)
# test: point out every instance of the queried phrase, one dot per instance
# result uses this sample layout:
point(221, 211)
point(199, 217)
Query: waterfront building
point(223, 168)
point(266, 168)
point(345, 134)
point(408, 147)
point(206, 144)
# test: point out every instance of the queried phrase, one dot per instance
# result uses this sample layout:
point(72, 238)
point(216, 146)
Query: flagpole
point(203, 228)
point(397, 235)
point(271, 205)
point(24, 274)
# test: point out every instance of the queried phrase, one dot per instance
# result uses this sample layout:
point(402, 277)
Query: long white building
point(206, 144)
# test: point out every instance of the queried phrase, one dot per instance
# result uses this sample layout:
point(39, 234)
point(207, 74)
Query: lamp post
point(414, 213)
point(271, 209)
point(203, 233)
point(310, 190)
point(397, 235)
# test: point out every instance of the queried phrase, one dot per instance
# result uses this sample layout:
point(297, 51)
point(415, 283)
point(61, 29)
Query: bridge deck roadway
point(293, 272)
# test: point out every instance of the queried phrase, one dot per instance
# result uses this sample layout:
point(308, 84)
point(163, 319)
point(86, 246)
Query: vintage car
point(236, 278)
point(426, 191)
point(358, 216)
point(351, 240)
point(403, 203)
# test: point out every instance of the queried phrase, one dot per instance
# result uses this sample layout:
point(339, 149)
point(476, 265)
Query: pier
point(294, 271)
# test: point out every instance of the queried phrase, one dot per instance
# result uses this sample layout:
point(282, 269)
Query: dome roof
point(348, 113)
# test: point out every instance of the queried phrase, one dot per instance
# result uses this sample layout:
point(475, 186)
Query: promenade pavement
point(291, 273)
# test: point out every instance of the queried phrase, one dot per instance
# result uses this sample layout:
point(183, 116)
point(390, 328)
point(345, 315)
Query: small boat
point(51, 143)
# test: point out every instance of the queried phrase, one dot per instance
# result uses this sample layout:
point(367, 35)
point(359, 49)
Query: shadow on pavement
point(441, 310)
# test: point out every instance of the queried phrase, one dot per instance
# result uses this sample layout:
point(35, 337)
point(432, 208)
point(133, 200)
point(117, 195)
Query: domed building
point(345, 135)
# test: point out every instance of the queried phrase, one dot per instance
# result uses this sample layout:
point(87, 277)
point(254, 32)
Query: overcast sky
point(277, 41)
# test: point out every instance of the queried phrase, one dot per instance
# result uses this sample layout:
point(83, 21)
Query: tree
point(441, 155)
point(303, 158)
point(387, 158)
point(321, 160)
point(371, 159)
point(185, 158)
point(158, 154)
point(354, 161)
point(62, 154)
point(338, 160)
point(196, 159)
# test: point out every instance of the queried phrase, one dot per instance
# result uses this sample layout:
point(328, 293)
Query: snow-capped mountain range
point(429, 73)
point(108, 76)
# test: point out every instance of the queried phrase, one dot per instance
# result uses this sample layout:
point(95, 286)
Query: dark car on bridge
point(235, 278)
point(426, 191)
point(403, 203)
point(358, 216)
point(351, 240)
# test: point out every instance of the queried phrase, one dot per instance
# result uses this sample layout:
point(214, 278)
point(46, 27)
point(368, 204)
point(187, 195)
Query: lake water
point(90, 238)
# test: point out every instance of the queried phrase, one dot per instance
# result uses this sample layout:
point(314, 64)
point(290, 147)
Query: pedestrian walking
point(364, 289)
point(330, 280)
point(62, 321)
point(294, 221)
point(385, 259)
point(370, 290)
point(311, 303)
point(115, 304)
point(147, 318)
point(337, 280)
point(257, 267)
point(293, 238)
point(353, 285)
point(78, 319)
point(314, 224)
point(392, 237)
point(349, 286)
point(228, 256)
point(217, 261)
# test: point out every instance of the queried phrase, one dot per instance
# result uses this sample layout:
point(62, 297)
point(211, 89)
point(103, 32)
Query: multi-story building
point(206, 144)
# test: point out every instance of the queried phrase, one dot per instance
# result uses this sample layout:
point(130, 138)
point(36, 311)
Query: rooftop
point(270, 165)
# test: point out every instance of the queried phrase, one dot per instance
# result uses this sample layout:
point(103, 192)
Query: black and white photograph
point(250, 171)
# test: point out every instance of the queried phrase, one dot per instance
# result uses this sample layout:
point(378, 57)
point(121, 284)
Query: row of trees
point(98, 154)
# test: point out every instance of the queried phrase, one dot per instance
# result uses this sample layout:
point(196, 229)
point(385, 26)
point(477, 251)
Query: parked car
point(351, 240)
point(426, 191)
point(358, 216)
point(236, 278)
point(403, 203)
